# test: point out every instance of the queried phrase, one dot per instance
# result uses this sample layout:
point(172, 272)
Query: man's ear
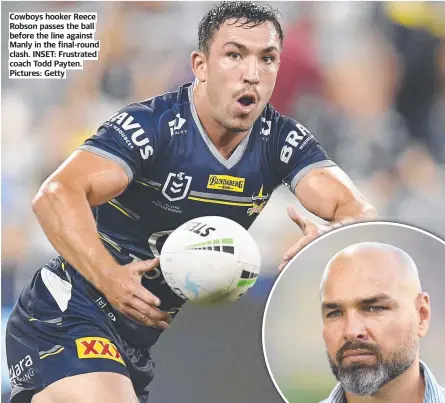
point(424, 312)
point(199, 65)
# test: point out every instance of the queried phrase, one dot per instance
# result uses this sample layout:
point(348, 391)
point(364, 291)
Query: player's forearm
point(67, 220)
point(352, 210)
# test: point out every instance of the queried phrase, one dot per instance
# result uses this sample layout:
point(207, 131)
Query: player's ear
point(424, 312)
point(199, 65)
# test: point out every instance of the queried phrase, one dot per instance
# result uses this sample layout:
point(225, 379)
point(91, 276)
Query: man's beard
point(365, 379)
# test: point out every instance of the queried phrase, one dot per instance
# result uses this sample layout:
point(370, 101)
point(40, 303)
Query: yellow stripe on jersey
point(229, 203)
point(53, 353)
point(109, 242)
point(147, 185)
point(120, 209)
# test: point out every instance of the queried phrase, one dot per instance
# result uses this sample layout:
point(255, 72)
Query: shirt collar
point(434, 393)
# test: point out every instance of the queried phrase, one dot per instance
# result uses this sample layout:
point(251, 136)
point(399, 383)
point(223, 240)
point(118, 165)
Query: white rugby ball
point(210, 260)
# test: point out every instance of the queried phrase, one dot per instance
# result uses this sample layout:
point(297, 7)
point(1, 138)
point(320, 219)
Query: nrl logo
point(259, 202)
point(176, 186)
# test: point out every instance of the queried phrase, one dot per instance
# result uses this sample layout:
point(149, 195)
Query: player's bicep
point(101, 179)
point(322, 190)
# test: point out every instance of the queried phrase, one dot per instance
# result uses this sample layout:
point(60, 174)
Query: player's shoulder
point(170, 102)
point(150, 112)
point(276, 126)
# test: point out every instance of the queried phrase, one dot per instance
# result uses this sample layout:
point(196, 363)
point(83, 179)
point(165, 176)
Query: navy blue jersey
point(176, 174)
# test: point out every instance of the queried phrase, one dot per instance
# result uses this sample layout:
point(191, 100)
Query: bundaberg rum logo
point(226, 182)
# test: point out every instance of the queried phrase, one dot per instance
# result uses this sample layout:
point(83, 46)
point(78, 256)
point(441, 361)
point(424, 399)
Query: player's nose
point(251, 72)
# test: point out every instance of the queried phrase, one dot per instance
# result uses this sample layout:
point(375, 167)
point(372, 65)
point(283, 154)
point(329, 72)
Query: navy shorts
point(48, 339)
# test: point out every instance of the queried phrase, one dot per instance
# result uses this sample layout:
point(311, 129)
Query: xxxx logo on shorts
point(98, 347)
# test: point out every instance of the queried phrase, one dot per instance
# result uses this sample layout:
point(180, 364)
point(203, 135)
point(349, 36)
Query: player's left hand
point(311, 230)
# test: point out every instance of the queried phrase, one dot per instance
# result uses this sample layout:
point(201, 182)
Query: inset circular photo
point(359, 316)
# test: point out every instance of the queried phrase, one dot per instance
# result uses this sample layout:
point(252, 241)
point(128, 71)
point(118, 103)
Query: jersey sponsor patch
point(175, 125)
point(22, 371)
point(128, 128)
point(295, 139)
point(265, 128)
point(98, 347)
point(225, 182)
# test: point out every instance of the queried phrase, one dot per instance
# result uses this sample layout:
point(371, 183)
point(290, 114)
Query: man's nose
point(252, 73)
point(354, 327)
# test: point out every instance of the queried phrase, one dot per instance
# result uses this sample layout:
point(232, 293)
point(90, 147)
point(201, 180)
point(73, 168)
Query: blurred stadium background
point(368, 79)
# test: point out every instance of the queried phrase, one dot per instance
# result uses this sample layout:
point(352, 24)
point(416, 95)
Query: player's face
point(242, 68)
point(370, 324)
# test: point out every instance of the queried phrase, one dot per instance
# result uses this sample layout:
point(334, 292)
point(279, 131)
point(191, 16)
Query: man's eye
point(268, 59)
point(234, 56)
point(376, 309)
point(334, 314)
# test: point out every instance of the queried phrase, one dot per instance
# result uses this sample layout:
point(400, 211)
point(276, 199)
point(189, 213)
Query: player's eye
point(234, 55)
point(333, 314)
point(268, 59)
point(376, 309)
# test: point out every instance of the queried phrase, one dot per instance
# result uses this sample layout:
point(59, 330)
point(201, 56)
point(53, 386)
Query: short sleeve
point(297, 152)
point(127, 138)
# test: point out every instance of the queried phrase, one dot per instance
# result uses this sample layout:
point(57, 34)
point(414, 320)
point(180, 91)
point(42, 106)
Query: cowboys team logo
point(176, 186)
point(259, 202)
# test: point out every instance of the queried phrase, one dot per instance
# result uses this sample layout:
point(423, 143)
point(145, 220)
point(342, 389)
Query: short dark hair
point(251, 12)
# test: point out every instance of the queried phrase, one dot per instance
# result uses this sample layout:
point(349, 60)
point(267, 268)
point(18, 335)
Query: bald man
point(374, 314)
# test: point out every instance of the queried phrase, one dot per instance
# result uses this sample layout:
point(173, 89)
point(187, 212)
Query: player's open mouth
point(247, 102)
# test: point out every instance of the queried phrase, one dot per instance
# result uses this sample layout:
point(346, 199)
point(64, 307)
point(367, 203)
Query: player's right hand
point(125, 292)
